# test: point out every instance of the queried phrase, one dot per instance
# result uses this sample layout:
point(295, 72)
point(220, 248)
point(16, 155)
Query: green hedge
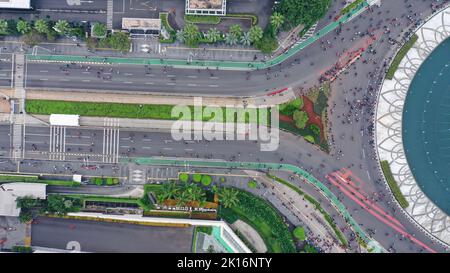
point(351, 6)
point(400, 55)
point(35, 179)
point(264, 218)
point(105, 181)
point(66, 183)
point(165, 22)
point(22, 249)
point(202, 19)
point(299, 233)
point(106, 109)
point(18, 178)
point(393, 184)
point(254, 17)
point(252, 184)
point(289, 107)
point(205, 229)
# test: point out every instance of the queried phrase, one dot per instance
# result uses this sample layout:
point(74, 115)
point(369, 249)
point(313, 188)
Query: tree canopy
point(305, 12)
point(300, 119)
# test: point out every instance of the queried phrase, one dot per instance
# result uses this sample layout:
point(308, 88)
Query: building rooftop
point(205, 4)
point(9, 192)
point(15, 4)
point(141, 23)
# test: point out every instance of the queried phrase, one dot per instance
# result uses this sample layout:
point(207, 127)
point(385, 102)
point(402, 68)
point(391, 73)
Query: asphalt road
point(303, 69)
point(94, 236)
point(347, 135)
point(305, 156)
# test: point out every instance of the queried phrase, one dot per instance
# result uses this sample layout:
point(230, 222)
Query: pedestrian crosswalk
point(308, 34)
point(109, 14)
point(142, 175)
point(57, 143)
point(111, 132)
point(137, 176)
point(17, 141)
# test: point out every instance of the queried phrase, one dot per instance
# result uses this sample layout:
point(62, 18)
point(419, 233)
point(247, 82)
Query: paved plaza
point(389, 127)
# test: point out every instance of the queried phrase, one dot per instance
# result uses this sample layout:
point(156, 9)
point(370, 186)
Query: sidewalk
point(146, 98)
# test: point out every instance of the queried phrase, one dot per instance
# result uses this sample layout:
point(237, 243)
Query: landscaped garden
point(259, 214)
point(287, 15)
point(54, 204)
point(41, 30)
point(104, 181)
point(46, 30)
point(307, 116)
point(124, 110)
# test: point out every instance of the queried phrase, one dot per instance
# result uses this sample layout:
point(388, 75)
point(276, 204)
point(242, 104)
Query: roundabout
point(412, 125)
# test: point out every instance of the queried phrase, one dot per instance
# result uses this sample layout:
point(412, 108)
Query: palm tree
point(62, 26)
point(191, 34)
point(245, 39)
point(276, 20)
point(255, 34)
point(194, 192)
point(235, 30)
point(3, 27)
point(230, 39)
point(228, 197)
point(180, 36)
point(213, 35)
point(23, 27)
point(41, 26)
point(183, 198)
point(169, 191)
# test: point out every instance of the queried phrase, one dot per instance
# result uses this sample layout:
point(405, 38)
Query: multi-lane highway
point(160, 144)
point(303, 69)
point(348, 130)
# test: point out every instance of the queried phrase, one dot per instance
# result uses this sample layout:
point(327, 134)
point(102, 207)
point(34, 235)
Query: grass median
point(36, 179)
point(400, 55)
point(119, 110)
point(393, 184)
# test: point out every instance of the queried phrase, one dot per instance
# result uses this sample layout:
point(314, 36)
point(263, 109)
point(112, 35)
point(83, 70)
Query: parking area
point(93, 236)
point(12, 232)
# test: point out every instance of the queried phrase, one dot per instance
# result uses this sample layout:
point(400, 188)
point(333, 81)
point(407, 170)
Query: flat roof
point(64, 120)
point(9, 192)
point(205, 4)
point(141, 23)
point(15, 4)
